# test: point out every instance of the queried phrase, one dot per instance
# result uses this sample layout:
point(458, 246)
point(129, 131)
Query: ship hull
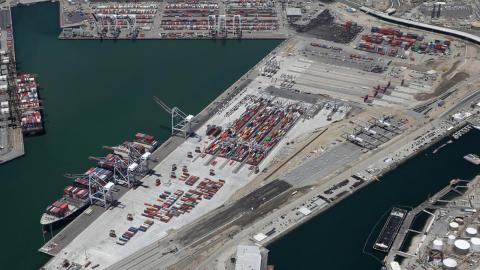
point(66, 219)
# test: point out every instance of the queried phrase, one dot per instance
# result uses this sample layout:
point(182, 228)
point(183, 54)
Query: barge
point(390, 230)
point(472, 158)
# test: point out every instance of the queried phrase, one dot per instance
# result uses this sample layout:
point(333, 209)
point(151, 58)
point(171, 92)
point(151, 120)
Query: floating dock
point(390, 230)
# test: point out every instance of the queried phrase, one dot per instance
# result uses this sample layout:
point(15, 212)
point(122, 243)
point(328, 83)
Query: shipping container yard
point(308, 110)
point(229, 150)
point(16, 114)
point(395, 43)
point(255, 133)
point(172, 20)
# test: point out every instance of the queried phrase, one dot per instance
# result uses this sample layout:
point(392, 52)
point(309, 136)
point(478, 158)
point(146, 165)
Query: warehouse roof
point(293, 12)
point(248, 258)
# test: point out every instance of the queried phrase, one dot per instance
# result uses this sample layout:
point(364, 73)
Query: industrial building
point(248, 258)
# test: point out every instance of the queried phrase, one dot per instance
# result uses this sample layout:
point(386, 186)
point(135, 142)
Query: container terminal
point(345, 99)
point(122, 166)
point(446, 236)
point(20, 103)
point(11, 135)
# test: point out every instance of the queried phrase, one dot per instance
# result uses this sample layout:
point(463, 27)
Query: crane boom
point(162, 104)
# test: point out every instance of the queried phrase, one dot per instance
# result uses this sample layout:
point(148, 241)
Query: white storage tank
point(449, 264)
point(475, 243)
point(471, 231)
point(461, 246)
point(453, 226)
point(451, 239)
point(437, 244)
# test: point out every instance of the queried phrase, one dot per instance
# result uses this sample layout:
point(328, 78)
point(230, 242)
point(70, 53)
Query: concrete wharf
point(405, 228)
point(11, 137)
point(80, 223)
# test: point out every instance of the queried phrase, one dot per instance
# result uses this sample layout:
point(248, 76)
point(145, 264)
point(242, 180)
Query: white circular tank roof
point(449, 262)
point(471, 231)
point(462, 244)
point(451, 237)
point(475, 241)
point(438, 242)
point(453, 225)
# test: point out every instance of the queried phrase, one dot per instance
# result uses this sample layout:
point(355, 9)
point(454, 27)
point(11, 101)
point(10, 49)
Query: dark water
point(99, 93)
point(335, 239)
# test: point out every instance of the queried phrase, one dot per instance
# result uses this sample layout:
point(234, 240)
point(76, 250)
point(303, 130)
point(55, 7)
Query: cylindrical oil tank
point(449, 264)
point(437, 244)
point(451, 239)
point(475, 244)
point(461, 246)
point(453, 226)
point(471, 231)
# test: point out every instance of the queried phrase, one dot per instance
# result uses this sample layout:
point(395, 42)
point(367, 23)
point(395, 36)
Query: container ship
point(76, 197)
point(29, 104)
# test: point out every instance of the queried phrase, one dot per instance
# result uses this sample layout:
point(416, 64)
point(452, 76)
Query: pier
point(11, 137)
point(80, 223)
point(405, 226)
point(438, 236)
point(173, 20)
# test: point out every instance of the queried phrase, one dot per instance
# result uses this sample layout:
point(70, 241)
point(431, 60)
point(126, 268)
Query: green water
point(335, 239)
point(99, 93)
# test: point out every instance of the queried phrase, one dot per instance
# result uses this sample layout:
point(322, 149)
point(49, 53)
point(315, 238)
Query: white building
point(248, 258)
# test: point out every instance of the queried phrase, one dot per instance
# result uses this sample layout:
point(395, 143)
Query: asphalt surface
point(247, 204)
point(323, 165)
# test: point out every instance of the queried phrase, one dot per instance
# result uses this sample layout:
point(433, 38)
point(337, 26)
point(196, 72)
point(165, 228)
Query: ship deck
point(390, 230)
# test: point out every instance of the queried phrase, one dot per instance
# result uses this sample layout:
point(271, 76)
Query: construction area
point(461, 15)
point(343, 101)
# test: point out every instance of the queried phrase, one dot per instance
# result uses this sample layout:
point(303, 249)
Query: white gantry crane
point(181, 122)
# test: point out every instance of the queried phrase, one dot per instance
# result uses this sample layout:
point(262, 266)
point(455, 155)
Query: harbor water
point(99, 93)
